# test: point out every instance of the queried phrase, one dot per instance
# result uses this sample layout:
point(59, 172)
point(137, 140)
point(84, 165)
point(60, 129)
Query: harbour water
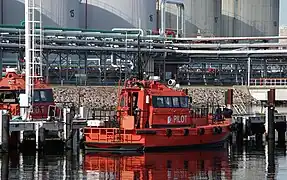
point(249, 162)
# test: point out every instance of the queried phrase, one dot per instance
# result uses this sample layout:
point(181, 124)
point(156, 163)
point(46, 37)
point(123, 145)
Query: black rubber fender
point(168, 132)
point(235, 127)
point(82, 143)
point(232, 127)
point(219, 130)
point(145, 132)
point(201, 131)
point(193, 125)
point(185, 132)
point(214, 130)
point(262, 128)
point(229, 127)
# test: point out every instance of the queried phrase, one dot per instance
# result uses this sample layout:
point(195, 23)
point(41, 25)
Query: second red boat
point(152, 115)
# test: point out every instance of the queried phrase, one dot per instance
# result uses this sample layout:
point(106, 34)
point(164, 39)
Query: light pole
point(79, 96)
point(140, 74)
point(164, 63)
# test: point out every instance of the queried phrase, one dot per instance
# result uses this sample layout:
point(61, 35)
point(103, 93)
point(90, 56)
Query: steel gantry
point(103, 57)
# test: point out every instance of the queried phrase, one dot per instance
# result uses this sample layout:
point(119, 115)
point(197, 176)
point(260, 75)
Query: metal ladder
point(33, 47)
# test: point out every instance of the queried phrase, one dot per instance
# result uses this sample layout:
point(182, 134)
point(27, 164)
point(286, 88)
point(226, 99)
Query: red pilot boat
point(13, 84)
point(153, 115)
point(163, 166)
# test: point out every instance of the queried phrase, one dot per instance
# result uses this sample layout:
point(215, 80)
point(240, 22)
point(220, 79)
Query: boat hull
point(140, 148)
point(162, 139)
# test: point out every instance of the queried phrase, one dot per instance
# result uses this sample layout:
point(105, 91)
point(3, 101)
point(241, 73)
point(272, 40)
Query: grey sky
point(283, 12)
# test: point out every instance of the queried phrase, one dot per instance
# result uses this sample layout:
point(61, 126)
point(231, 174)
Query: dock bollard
point(5, 130)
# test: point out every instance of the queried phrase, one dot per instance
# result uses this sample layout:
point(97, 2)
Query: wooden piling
point(67, 128)
point(5, 130)
point(271, 107)
point(5, 166)
point(75, 140)
point(42, 140)
point(239, 132)
point(281, 129)
point(229, 98)
point(270, 159)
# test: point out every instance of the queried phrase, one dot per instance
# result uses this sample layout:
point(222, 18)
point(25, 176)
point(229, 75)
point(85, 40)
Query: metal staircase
point(33, 49)
point(240, 107)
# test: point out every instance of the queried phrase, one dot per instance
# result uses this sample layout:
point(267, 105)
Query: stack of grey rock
point(100, 97)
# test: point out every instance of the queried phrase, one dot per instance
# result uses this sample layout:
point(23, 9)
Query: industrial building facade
point(209, 17)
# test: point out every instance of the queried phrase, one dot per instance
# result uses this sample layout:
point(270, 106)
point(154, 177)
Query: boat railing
point(202, 110)
point(109, 135)
point(199, 112)
point(100, 114)
point(263, 82)
point(97, 115)
point(112, 118)
point(54, 112)
point(208, 113)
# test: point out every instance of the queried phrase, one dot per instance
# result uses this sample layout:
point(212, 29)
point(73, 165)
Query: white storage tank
point(108, 14)
point(200, 15)
point(227, 17)
point(1, 9)
point(250, 18)
point(283, 32)
point(55, 13)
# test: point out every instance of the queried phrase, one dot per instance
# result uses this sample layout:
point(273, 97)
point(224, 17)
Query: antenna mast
point(140, 70)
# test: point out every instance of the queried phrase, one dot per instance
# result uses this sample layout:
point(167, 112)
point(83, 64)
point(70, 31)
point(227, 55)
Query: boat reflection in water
point(158, 166)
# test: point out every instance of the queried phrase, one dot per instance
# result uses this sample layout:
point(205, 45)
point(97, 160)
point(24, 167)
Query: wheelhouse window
point(184, 102)
point(8, 97)
point(170, 102)
point(39, 95)
point(158, 102)
point(167, 101)
point(36, 96)
point(175, 102)
point(43, 95)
